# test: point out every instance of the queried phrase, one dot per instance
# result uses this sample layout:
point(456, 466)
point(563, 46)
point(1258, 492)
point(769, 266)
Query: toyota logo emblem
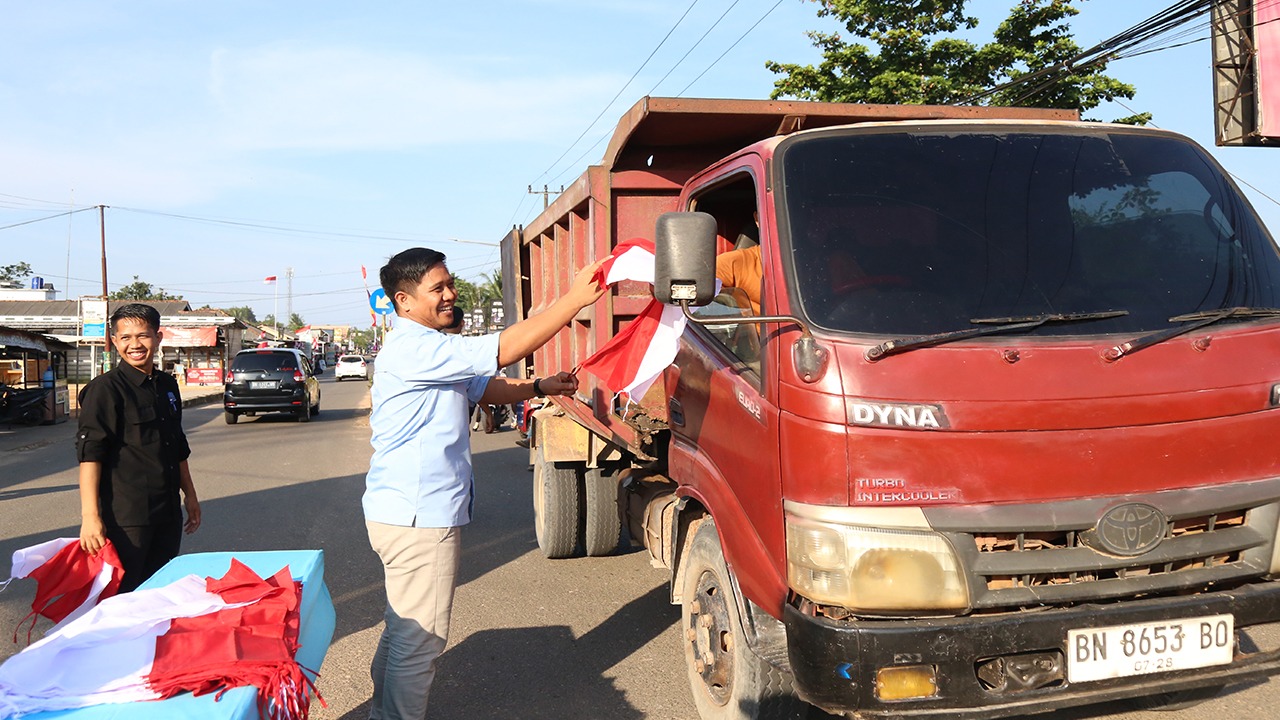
point(1130, 529)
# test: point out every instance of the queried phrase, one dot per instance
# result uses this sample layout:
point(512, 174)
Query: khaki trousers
point(421, 569)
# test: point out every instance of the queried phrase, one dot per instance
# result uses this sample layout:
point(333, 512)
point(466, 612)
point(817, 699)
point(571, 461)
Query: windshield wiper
point(992, 326)
point(1193, 321)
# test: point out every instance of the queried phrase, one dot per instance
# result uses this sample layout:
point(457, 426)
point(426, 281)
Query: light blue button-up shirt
point(423, 383)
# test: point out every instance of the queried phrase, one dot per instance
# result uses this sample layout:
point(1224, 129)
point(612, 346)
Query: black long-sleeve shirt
point(131, 423)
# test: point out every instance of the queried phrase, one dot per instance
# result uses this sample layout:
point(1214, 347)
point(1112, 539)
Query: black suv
point(266, 380)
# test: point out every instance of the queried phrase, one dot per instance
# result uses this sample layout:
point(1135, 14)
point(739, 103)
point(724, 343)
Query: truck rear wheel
point(728, 680)
point(602, 526)
point(555, 507)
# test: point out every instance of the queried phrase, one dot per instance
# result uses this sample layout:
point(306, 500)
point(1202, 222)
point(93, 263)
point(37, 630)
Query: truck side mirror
point(685, 265)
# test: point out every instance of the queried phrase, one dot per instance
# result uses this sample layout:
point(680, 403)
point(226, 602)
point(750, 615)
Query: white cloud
point(337, 99)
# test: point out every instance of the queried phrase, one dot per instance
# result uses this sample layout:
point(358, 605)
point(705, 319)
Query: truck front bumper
point(836, 663)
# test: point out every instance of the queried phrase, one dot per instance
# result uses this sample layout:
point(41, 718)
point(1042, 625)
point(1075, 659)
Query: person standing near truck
point(133, 454)
point(418, 492)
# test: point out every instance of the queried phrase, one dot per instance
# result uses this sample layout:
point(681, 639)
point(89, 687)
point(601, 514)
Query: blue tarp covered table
point(316, 618)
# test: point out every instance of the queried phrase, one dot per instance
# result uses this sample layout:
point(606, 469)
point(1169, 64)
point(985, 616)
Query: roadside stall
point(198, 345)
point(33, 378)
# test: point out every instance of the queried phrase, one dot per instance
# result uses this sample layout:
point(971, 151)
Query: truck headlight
point(873, 569)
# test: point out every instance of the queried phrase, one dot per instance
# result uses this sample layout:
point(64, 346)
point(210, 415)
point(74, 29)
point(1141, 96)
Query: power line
point(605, 109)
point(693, 47)
point(47, 217)
point(731, 47)
point(1106, 51)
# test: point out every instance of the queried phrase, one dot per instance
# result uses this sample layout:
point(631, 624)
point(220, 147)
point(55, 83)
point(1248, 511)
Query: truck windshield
point(913, 233)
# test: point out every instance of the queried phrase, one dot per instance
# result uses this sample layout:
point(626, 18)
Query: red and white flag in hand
point(196, 634)
point(634, 359)
point(69, 581)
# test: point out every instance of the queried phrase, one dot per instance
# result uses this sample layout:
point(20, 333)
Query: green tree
point(362, 339)
point(16, 272)
point(141, 290)
point(920, 57)
point(491, 288)
point(468, 294)
point(296, 321)
point(243, 312)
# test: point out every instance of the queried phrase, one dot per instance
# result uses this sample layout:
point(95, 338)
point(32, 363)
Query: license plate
point(262, 384)
point(1142, 648)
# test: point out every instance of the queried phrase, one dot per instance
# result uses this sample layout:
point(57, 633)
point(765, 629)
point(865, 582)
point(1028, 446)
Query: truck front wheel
point(556, 500)
point(728, 680)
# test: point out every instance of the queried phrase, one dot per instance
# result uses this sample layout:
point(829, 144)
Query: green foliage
point(15, 272)
point(296, 321)
point(468, 293)
point(141, 290)
point(925, 57)
point(244, 313)
point(362, 339)
point(491, 288)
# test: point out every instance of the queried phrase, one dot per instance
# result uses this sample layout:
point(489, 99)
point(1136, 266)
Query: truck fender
point(744, 552)
point(766, 635)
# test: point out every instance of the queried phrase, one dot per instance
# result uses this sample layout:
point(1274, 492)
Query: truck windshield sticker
point(899, 415)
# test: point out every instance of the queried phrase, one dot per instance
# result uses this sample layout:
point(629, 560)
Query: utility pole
point(102, 228)
point(106, 343)
point(288, 303)
point(546, 194)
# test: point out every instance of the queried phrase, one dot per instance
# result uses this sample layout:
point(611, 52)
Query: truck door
point(720, 410)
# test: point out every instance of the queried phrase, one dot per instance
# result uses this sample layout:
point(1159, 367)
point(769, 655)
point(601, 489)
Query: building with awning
point(32, 360)
point(201, 340)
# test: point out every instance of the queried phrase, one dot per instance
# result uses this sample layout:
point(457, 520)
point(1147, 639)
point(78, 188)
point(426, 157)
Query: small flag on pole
point(269, 280)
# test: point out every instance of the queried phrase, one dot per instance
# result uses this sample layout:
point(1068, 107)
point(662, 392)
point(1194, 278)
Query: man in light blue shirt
point(418, 491)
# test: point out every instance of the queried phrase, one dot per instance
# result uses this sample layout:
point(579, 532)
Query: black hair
point(136, 311)
point(404, 271)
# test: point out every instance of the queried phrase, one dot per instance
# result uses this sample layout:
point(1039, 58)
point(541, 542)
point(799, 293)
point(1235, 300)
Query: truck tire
point(602, 526)
point(728, 680)
point(556, 502)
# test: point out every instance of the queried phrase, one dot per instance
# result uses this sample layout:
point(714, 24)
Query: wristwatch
point(537, 388)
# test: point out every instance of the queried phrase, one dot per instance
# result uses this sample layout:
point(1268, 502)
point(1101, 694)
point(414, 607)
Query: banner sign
point(204, 376)
point(1266, 37)
point(93, 319)
point(176, 337)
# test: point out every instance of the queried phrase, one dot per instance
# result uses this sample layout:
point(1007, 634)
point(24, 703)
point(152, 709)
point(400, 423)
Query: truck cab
point(988, 435)
point(1050, 345)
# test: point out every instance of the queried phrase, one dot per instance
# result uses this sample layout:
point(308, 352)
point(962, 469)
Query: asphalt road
point(532, 638)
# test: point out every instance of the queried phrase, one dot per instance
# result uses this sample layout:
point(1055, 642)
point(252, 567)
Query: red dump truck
point(1000, 438)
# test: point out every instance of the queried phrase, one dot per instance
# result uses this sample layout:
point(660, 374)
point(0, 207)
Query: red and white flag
point(198, 635)
point(634, 359)
point(69, 581)
point(269, 280)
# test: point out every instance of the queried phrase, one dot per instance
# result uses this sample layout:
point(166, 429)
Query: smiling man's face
point(137, 343)
point(431, 302)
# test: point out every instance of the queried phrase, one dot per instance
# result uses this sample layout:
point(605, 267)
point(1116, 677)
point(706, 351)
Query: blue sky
point(233, 140)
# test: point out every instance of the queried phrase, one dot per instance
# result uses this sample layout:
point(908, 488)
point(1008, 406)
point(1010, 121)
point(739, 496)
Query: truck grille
point(1052, 566)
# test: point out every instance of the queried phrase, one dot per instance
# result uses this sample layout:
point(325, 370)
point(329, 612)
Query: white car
point(353, 366)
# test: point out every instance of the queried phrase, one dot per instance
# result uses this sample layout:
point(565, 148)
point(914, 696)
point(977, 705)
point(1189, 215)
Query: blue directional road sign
point(379, 301)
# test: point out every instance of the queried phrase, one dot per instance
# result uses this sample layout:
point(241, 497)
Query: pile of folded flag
point(198, 635)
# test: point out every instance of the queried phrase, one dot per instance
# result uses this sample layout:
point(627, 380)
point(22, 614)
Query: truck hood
point(1037, 385)
point(1058, 422)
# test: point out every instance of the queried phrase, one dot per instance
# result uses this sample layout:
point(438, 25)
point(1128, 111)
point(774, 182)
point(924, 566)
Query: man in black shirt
point(133, 454)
